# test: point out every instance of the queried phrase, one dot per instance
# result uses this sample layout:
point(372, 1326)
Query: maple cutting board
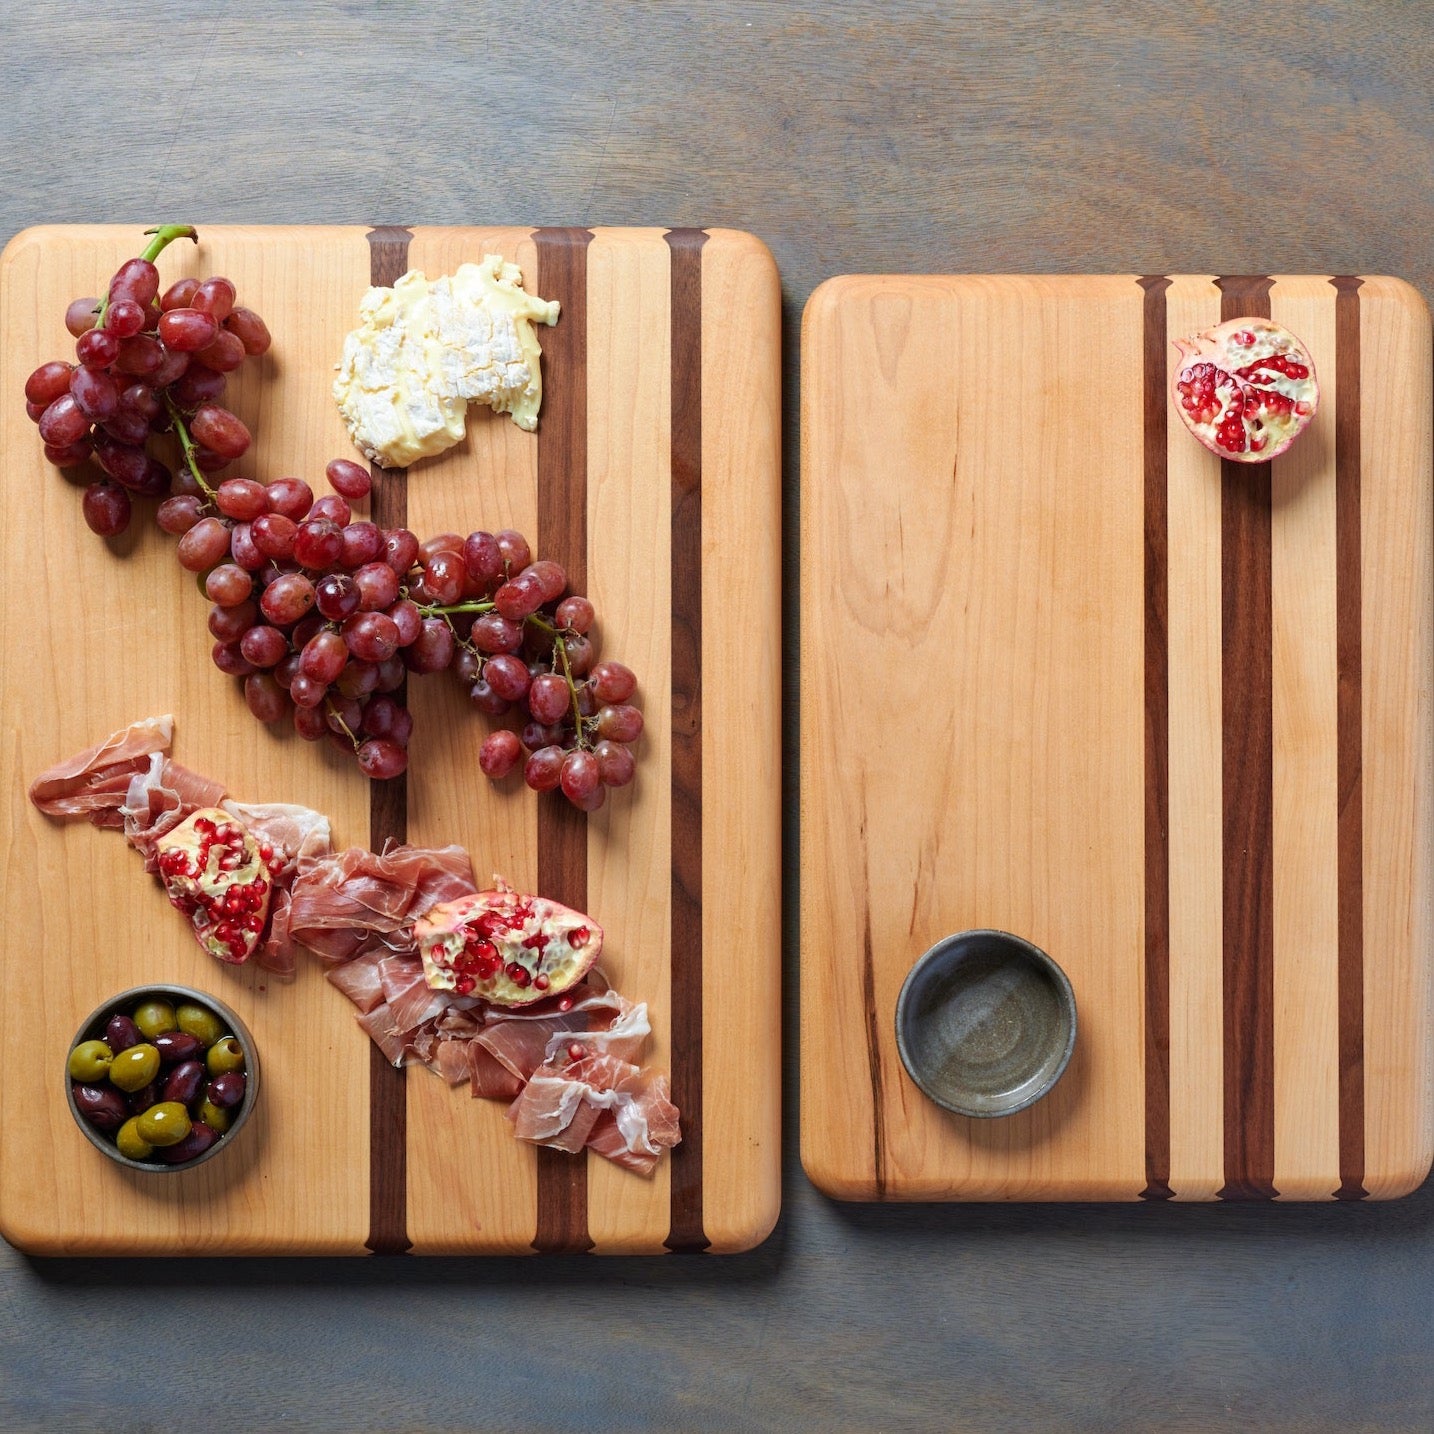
point(1066, 675)
point(659, 444)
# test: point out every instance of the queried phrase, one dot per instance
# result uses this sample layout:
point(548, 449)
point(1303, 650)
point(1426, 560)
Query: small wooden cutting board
point(1066, 674)
point(658, 443)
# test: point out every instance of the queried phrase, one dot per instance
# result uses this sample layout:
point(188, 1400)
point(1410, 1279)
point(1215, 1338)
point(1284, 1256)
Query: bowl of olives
point(162, 1078)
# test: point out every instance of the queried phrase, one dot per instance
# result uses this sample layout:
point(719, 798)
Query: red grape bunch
point(146, 364)
point(324, 617)
point(519, 645)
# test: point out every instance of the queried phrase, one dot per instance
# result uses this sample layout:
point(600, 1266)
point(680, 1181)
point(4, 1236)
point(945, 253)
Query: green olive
point(134, 1069)
point(226, 1054)
point(213, 1117)
point(164, 1124)
point(154, 1018)
point(90, 1061)
point(199, 1022)
point(131, 1143)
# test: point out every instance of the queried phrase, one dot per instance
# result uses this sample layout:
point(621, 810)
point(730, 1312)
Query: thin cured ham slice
point(379, 1023)
point(343, 900)
point(95, 782)
point(600, 1101)
point(411, 999)
point(519, 1039)
point(130, 780)
point(159, 799)
point(450, 1060)
point(487, 1080)
point(359, 981)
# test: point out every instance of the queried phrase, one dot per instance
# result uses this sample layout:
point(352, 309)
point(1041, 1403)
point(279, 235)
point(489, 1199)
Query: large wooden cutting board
point(659, 444)
point(1063, 675)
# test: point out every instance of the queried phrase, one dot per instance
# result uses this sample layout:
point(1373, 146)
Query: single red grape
point(204, 545)
point(107, 509)
point(499, 754)
point(250, 330)
point(215, 296)
point(48, 382)
point(220, 431)
point(187, 331)
point(267, 700)
point(81, 316)
point(544, 769)
point(348, 479)
point(380, 759)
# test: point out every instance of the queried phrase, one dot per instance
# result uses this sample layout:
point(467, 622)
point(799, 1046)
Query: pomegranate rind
point(1236, 403)
point(476, 946)
point(215, 874)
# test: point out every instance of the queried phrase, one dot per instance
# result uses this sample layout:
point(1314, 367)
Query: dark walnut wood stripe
point(1155, 404)
point(562, 1222)
point(1247, 725)
point(388, 821)
point(873, 1051)
point(686, 1231)
point(1348, 620)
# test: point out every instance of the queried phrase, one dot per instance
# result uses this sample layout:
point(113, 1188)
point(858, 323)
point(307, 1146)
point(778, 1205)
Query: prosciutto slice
point(129, 780)
point(343, 903)
point(519, 1040)
point(94, 783)
point(598, 1100)
point(158, 799)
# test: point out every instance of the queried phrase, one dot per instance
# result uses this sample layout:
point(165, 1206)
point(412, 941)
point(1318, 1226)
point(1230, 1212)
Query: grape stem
point(334, 714)
point(440, 610)
point(164, 235)
point(189, 446)
point(562, 650)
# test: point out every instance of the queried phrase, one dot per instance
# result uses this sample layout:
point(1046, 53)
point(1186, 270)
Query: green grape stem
point(164, 235)
point(189, 446)
point(440, 610)
point(562, 650)
point(334, 713)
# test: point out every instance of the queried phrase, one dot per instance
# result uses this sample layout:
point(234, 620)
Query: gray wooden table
point(1010, 135)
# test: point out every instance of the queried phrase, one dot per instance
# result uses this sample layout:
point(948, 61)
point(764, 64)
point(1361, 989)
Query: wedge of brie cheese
point(423, 351)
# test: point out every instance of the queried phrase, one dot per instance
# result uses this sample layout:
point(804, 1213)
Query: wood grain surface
point(854, 136)
point(1006, 589)
point(659, 332)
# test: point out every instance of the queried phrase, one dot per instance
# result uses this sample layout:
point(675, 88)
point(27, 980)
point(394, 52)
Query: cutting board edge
point(744, 254)
point(1388, 1180)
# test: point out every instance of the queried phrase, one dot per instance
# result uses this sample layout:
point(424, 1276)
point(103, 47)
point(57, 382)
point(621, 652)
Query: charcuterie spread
point(324, 618)
point(403, 932)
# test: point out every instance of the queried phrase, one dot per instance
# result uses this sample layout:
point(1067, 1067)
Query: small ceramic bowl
point(985, 1023)
point(93, 1028)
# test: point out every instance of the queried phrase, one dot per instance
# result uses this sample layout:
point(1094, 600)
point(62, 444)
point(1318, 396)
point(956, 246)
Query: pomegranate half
point(506, 947)
point(1246, 389)
point(222, 879)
